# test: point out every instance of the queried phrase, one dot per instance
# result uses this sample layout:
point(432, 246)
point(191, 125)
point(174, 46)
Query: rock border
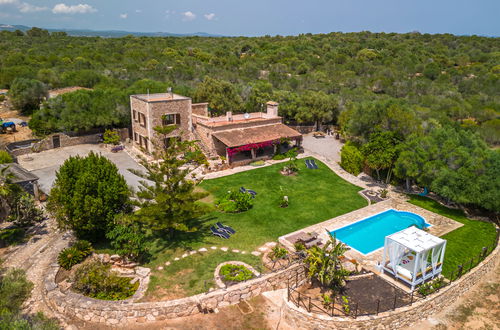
point(218, 279)
point(122, 313)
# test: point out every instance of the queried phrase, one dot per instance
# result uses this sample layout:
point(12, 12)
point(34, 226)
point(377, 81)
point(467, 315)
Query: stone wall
point(65, 141)
point(74, 305)
point(299, 318)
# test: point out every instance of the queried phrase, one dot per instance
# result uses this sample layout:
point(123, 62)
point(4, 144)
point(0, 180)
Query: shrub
point(128, 240)
point(75, 254)
point(11, 236)
point(327, 300)
point(351, 159)
point(2, 98)
point(278, 252)
point(235, 273)
point(84, 247)
point(87, 194)
point(235, 201)
point(431, 287)
point(279, 157)
point(5, 157)
point(257, 163)
point(14, 290)
point(69, 257)
point(96, 280)
point(25, 213)
point(299, 247)
point(111, 137)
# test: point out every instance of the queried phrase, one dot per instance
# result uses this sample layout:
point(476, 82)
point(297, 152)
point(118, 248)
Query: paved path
point(45, 164)
point(36, 257)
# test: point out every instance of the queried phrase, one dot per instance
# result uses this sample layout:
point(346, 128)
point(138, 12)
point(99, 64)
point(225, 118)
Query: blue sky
point(259, 17)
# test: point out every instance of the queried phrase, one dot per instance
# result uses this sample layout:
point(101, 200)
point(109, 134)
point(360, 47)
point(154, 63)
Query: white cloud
point(124, 16)
point(28, 8)
point(23, 6)
point(188, 16)
point(210, 16)
point(62, 8)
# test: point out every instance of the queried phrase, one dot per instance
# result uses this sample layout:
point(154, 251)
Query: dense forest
point(414, 107)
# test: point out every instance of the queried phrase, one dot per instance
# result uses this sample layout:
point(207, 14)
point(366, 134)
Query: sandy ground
point(477, 309)
point(328, 146)
point(23, 133)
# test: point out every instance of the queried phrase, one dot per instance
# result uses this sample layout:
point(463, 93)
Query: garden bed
point(367, 293)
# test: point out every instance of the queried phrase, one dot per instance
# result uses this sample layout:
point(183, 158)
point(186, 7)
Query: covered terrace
point(259, 142)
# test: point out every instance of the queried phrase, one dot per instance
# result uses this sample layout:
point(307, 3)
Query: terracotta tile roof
point(243, 136)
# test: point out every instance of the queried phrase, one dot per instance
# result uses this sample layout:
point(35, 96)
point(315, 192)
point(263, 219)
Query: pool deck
point(440, 226)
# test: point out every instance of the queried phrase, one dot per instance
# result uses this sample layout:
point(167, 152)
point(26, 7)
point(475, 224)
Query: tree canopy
point(87, 195)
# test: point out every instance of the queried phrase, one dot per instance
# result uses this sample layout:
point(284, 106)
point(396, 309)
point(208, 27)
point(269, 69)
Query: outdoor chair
point(313, 164)
point(308, 164)
point(219, 233)
point(227, 229)
point(251, 192)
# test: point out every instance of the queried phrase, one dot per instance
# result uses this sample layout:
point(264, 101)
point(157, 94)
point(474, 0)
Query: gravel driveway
point(45, 164)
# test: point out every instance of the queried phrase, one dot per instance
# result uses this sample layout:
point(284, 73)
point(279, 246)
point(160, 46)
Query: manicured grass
point(314, 195)
point(463, 243)
point(189, 276)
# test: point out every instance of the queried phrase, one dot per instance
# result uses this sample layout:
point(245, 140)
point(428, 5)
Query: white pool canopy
point(413, 255)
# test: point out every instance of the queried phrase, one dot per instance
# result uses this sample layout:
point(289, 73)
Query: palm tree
point(325, 264)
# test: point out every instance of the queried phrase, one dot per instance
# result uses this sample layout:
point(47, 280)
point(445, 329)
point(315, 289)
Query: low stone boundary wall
point(17, 149)
point(299, 318)
point(120, 313)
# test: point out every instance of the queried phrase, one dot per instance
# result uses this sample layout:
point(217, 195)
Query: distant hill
point(108, 33)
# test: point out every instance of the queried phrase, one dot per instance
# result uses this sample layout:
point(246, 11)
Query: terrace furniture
point(424, 193)
point(227, 229)
point(407, 254)
point(219, 233)
point(117, 148)
point(250, 191)
point(308, 164)
point(313, 164)
point(314, 242)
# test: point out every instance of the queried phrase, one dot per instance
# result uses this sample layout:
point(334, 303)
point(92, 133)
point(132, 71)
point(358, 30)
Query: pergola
point(253, 138)
point(413, 255)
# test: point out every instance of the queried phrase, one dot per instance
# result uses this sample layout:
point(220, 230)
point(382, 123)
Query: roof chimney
point(272, 109)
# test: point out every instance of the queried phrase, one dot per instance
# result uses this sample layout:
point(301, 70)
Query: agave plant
point(325, 264)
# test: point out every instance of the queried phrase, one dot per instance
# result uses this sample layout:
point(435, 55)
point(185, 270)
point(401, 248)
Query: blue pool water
point(369, 234)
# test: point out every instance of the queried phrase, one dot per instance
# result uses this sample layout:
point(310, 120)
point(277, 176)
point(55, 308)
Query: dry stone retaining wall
point(120, 313)
point(299, 318)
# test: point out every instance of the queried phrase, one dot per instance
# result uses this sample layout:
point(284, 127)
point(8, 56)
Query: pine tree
point(168, 202)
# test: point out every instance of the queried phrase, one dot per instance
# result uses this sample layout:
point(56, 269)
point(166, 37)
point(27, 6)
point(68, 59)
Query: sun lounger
point(313, 164)
point(250, 191)
point(219, 233)
point(308, 164)
point(314, 242)
point(227, 229)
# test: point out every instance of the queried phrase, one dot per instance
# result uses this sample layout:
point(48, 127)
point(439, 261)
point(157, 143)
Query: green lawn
point(315, 196)
point(463, 243)
point(189, 276)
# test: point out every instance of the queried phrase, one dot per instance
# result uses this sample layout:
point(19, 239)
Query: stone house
point(240, 138)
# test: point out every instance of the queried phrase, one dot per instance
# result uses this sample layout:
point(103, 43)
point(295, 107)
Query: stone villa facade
point(240, 137)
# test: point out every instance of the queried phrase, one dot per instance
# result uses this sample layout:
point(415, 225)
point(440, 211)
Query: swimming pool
point(368, 235)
